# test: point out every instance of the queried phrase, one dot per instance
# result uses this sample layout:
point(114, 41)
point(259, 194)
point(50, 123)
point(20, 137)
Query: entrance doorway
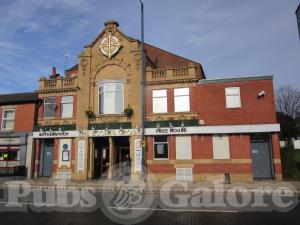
point(261, 151)
point(47, 158)
point(101, 157)
point(122, 149)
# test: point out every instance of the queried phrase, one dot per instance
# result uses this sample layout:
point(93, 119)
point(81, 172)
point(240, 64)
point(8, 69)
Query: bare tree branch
point(288, 101)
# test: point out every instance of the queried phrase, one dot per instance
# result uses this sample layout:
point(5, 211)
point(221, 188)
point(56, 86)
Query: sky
point(230, 38)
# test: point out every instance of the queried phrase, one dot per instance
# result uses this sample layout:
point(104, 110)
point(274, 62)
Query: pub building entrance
point(102, 155)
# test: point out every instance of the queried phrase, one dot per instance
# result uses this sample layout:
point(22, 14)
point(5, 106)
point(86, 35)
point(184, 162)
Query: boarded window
point(233, 98)
point(183, 147)
point(221, 147)
point(159, 100)
point(182, 100)
point(67, 106)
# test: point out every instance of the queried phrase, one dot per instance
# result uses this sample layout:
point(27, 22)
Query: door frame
point(42, 158)
point(268, 140)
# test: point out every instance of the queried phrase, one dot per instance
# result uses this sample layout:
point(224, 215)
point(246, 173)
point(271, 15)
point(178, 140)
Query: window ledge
point(110, 115)
point(171, 113)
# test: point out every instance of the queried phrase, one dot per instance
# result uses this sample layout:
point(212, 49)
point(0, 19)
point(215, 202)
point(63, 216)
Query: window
point(221, 147)
point(233, 98)
point(49, 107)
point(181, 100)
point(111, 98)
point(67, 106)
point(183, 147)
point(9, 155)
point(8, 119)
point(159, 100)
point(184, 174)
point(161, 147)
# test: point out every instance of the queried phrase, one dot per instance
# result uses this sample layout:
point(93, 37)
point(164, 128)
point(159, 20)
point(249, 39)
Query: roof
point(18, 98)
point(75, 67)
point(234, 79)
point(162, 58)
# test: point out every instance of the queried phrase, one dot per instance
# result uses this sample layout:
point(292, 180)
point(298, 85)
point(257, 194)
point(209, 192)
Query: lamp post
point(143, 91)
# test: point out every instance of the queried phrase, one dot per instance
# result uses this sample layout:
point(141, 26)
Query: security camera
point(261, 94)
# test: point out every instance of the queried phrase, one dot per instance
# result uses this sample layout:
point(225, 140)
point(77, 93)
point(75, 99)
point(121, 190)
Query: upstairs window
point(8, 119)
point(111, 98)
point(67, 107)
point(159, 100)
point(49, 107)
point(233, 98)
point(182, 100)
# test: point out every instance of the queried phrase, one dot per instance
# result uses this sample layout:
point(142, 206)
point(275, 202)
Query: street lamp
point(143, 91)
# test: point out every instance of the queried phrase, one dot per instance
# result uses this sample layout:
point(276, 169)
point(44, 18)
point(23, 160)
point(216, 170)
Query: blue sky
point(229, 38)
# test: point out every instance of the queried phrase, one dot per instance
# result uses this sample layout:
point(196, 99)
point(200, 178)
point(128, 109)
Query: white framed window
point(182, 99)
point(49, 107)
point(183, 147)
point(185, 174)
point(160, 147)
point(221, 146)
point(111, 98)
point(233, 97)
point(67, 106)
point(8, 119)
point(159, 101)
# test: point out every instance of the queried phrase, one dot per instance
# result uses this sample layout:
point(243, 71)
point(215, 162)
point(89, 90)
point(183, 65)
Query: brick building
point(17, 120)
point(196, 128)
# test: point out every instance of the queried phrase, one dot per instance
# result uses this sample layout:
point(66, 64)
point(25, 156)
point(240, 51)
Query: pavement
point(153, 186)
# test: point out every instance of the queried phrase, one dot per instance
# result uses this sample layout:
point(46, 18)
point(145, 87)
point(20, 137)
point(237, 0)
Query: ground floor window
point(184, 174)
point(9, 155)
point(221, 146)
point(161, 147)
point(183, 147)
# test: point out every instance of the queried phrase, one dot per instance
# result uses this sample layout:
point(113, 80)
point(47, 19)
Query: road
point(158, 209)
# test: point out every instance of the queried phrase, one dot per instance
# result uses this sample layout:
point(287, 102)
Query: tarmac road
point(105, 208)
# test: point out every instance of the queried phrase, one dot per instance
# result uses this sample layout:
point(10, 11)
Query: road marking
point(176, 210)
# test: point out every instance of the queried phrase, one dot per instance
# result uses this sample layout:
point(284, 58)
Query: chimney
point(53, 71)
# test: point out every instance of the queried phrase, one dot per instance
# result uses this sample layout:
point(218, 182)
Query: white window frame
point(166, 142)
point(103, 84)
point(178, 96)
point(188, 149)
point(50, 117)
point(221, 152)
point(164, 96)
point(66, 103)
point(236, 95)
point(184, 171)
point(5, 119)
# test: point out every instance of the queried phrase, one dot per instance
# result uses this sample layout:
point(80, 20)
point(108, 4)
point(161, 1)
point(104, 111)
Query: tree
point(288, 101)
